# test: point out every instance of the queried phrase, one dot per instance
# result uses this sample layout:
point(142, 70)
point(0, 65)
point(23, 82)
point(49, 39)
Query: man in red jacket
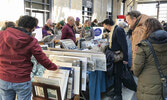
point(68, 31)
point(16, 48)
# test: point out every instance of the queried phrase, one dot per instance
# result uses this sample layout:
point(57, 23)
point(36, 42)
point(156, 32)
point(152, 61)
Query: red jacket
point(16, 49)
point(68, 33)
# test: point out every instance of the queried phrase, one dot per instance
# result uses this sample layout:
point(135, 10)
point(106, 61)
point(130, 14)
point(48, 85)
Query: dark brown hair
point(77, 23)
point(58, 26)
point(151, 25)
point(9, 24)
point(108, 22)
point(132, 14)
point(27, 22)
point(95, 21)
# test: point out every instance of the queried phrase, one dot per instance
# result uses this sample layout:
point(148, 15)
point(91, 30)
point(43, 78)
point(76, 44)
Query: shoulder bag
point(163, 77)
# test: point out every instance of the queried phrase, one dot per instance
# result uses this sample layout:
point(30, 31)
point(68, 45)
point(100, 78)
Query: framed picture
point(39, 91)
point(42, 91)
point(52, 94)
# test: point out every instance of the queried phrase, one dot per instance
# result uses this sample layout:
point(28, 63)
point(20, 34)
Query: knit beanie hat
point(62, 23)
point(77, 19)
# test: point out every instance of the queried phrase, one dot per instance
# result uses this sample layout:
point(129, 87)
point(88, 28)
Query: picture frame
point(49, 92)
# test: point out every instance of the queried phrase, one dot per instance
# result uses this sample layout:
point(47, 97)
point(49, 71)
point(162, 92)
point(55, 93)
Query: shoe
point(117, 97)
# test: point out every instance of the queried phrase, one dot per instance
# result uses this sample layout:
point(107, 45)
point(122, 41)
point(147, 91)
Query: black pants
point(117, 78)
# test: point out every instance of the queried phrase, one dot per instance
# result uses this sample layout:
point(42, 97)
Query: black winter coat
point(119, 42)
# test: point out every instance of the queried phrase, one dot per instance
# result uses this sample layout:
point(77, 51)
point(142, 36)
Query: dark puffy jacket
point(149, 83)
point(16, 49)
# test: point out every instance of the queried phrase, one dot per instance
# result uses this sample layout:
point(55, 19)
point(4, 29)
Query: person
point(162, 22)
point(164, 25)
point(117, 42)
point(123, 25)
point(87, 31)
point(17, 48)
point(68, 31)
point(149, 82)
point(94, 23)
point(129, 43)
point(47, 29)
point(78, 27)
point(135, 20)
point(59, 26)
point(8, 24)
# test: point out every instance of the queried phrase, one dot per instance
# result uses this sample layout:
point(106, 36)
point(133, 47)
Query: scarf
point(110, 35)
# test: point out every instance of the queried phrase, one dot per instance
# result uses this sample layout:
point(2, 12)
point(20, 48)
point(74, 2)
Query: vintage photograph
point(39, 91)
point(52, 94)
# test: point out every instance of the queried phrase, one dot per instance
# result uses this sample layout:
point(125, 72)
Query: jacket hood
point(159, 40)
point(16, 38)
point(158, 37)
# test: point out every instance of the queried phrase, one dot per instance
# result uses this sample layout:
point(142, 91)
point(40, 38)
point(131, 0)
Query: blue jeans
point(9, 90)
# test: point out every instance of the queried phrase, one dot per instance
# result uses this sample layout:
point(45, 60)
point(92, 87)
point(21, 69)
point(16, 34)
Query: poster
point(98, 32)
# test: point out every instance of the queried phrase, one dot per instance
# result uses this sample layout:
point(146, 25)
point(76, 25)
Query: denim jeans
point(9, 90)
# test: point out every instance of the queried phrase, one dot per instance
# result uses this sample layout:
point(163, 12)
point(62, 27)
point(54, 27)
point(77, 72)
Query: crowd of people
point(18, 45)
point(140, 57)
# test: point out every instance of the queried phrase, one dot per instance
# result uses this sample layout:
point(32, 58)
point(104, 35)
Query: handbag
point(114, 56)
point(127, 79)
point(163, 77)
point(118, 56)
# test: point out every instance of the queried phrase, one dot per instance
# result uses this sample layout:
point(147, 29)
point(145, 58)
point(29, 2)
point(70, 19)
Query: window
point(163, 12)
point(109, 9)
point(109, 15)
point(148, 9)
point(87, 10)
point(40, 9)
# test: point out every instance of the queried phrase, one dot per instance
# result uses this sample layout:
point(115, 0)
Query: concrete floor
point(126, 94)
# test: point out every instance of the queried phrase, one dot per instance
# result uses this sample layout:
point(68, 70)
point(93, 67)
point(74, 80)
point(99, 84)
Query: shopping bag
point(127, 79)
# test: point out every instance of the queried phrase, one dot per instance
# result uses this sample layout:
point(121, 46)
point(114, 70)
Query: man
point(17, 47)
point(47, 29)
point(117, 42)
point(68, 31)
point(136, 20)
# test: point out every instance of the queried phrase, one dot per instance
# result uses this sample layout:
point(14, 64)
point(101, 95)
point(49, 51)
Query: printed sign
point(98, 31)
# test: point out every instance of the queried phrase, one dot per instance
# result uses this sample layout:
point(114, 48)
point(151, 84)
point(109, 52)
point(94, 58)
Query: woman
point(59, 26)
point(117, 42)
point(87, 31)
point(8, 24)
point(149, 83)
point(94, 23)
point(78, 27)
point(17, 48)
